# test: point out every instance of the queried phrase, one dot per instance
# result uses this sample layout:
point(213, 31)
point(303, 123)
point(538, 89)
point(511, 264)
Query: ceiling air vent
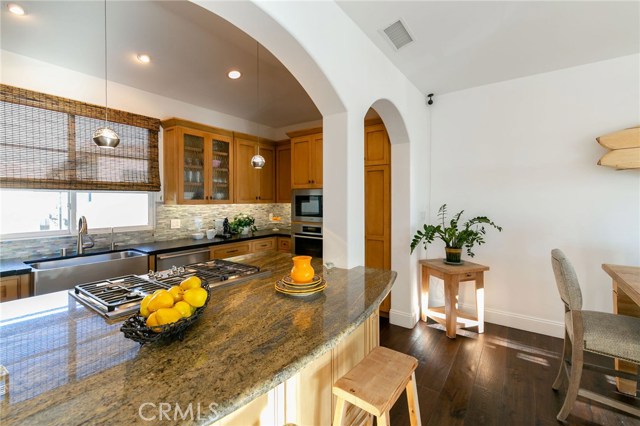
point(398, 34)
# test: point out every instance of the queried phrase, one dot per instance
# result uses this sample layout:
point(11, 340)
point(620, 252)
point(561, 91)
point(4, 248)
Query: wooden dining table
point(626, 301)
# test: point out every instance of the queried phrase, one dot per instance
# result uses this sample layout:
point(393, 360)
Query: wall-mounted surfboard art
point(624, 147)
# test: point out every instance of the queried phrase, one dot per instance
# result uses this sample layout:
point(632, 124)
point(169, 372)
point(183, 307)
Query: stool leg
point(341, 411)
point(383, 420)
point(412, 400)
point(480, 301)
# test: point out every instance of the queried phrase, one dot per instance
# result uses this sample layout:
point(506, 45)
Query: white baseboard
point(403, 319)
point(521, 322)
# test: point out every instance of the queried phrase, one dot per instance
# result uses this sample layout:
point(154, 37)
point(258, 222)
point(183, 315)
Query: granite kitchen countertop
point(67, 365)
point(10, 267)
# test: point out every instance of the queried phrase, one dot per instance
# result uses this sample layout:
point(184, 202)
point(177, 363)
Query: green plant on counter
point(454, 236)
point(241, 221)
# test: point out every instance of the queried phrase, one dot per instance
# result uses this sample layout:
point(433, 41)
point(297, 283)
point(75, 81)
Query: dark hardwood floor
point(502, 378)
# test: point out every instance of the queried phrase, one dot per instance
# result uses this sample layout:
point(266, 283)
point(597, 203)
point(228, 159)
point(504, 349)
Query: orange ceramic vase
point(302, 271)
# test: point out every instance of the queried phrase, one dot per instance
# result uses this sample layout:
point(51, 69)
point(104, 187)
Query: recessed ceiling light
point(234, 74)
point(15, 9)
point(144, 58)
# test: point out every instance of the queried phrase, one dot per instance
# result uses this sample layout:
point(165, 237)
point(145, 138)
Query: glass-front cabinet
point(196, 163)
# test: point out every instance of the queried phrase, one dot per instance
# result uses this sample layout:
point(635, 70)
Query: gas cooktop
point(121, 296)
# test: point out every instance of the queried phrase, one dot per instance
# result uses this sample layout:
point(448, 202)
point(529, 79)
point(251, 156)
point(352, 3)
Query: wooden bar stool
point(374, 385)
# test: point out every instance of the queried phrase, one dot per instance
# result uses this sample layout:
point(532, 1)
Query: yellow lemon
point(195, 296)
point(167, 315)
point(161, 299)
point(184, 308)
point(152, 323)
point(177, 293)
point(144, 310)
point(191, 282)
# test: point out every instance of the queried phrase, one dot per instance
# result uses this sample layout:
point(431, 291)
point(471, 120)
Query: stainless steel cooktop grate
point(114, 292)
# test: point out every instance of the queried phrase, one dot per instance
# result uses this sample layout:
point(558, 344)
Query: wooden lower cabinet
point(263, 244)
point(15, 287)
point(284, 244)
point(230, 250)
point(306, 398)
point(238, 249)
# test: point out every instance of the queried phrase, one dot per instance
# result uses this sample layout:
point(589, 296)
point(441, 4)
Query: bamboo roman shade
point(46, 143)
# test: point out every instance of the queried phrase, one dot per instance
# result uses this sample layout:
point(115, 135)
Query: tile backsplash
point(46, 247)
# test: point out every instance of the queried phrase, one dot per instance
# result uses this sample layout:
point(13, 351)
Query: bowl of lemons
point(167, 313)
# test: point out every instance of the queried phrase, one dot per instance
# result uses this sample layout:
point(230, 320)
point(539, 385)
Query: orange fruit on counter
point(167, 316)
point(191, 282)
point(184, 308)
point(152, 322)
point(195, 296)
point(177, 293)
point(159, 300)
point(144, 310)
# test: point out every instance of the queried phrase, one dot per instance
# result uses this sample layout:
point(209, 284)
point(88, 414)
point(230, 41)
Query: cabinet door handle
point(232, 251)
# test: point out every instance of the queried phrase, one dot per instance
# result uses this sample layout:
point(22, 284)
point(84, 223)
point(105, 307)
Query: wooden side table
point(453, 275)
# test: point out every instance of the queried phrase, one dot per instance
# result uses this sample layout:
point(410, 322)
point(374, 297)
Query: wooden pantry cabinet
point(377, 201)
point(306, 158)
point(254, 185)
point(198, 162)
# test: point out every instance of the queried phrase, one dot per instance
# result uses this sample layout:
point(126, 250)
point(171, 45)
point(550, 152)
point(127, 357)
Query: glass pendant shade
point(104, 137)
point(257, 161)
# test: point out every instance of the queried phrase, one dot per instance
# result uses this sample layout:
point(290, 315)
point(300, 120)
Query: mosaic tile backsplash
point(46, 247)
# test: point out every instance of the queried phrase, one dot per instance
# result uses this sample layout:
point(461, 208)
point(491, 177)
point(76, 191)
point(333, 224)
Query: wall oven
point(306, 239)
point(306, 205)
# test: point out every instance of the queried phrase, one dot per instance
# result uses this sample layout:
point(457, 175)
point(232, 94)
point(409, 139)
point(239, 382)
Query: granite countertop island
point(67, 365)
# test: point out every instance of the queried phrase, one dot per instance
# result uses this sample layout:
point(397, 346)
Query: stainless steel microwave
point(306, 205)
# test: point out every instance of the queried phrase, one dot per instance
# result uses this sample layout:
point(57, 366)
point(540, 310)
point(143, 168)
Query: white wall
point(22, 71)
point(344, 73)
point(524, 153)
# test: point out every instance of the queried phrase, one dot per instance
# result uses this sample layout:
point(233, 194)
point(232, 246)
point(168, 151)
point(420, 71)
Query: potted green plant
point(455, 236)
point(242, 223)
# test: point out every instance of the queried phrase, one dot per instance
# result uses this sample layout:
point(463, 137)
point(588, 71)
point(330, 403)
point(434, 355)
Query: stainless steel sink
point(62, 274)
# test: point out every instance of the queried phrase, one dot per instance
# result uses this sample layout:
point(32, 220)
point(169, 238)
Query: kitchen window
point(46, 143)
point(33, 213)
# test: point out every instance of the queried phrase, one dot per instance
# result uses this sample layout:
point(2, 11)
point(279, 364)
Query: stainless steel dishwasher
point(180, 258)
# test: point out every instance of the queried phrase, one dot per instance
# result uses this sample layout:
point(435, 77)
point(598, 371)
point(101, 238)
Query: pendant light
point(257, 161)
point(105, 137)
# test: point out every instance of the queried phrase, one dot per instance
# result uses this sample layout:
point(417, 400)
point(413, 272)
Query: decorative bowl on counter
point(136, 329)
point(197, 235)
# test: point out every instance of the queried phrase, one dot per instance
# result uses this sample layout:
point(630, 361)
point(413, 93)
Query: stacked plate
point(291, 288)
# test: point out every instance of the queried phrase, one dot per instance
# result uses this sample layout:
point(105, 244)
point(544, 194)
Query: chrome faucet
point(82, 234)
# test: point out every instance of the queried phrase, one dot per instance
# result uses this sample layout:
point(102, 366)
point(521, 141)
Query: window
point(113, 209)
point(46, 143)
point(32, 213)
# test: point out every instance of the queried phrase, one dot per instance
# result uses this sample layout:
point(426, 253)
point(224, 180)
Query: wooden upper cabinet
point(283, 174)
point(376, 147)
point(197, 163)
point(306, 159)
point(254, 185)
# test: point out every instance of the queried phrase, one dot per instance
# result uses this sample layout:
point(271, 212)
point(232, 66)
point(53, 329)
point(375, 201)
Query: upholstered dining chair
point(615, 336)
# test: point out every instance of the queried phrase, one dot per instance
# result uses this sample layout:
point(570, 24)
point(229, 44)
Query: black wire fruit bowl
point(135, 327)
